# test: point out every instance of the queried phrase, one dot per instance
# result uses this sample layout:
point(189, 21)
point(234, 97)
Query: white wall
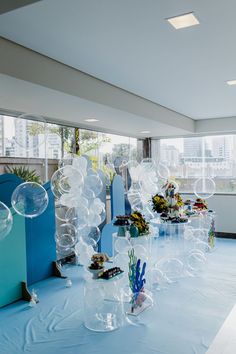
point(225, 208)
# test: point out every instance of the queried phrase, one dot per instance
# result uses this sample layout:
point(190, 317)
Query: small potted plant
point(140, 224)
point(159, 204)
point(122, 221)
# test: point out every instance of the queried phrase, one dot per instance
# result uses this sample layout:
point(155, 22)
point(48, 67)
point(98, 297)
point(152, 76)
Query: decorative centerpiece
point(159, 204)
point(122, 221)
point(136, 283)
point(97, 265)
point(174, 204)
point(141, 226)
point(200, 204)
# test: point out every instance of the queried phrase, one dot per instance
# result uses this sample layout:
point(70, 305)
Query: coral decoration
point(136, 280)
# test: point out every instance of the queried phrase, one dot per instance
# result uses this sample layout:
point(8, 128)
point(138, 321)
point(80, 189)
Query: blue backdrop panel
point(106, 239)
point(117, 197)
point(13, 262)
point(40, 242)
point(117, 208)
point(12, 248)
point(8, 182)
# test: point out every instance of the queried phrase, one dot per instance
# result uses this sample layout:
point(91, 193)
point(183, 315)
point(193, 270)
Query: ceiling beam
point(10, 5)
point(27, 65)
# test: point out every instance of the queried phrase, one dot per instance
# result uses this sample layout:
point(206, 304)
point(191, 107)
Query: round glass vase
point(100, 313)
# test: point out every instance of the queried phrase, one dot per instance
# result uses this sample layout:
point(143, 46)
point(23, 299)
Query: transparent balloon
point(6, 221)
point(204, 188)
point(29, 199)
point(148, 165)
point(122, 245)
point(67, 229)
point(134, 170)
point(61, 212)
point(173, 269)
point(196, 262)
point(80, 163)
point(93, 236)
point(66, 180)
point(163, 171)
point(66, 236)
point(94, 183)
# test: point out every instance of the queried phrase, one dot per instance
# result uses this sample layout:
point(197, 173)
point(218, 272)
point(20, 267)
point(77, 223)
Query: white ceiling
point(22, 96)
point(129, 44)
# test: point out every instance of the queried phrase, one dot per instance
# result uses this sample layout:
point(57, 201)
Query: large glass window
point(192, 158)
point(23, 143)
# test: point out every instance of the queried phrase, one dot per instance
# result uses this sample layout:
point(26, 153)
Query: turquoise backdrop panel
point(13, 262)
point(40, 242)
point(12, 248)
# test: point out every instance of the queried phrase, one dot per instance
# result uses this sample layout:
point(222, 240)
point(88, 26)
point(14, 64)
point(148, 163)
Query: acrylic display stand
point(117, 208)
point(102, 315)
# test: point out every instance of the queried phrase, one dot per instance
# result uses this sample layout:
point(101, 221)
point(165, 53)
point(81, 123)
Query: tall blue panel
point(12, 247)
point(117, 197)
point(117, 208)
point(40, 242)
point(8, 182)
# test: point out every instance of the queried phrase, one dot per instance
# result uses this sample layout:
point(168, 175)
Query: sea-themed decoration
point(136, 280)
point(211, 234)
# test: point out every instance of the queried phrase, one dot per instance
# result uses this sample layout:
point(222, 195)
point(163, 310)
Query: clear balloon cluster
point(78, 208)
point(147, 179)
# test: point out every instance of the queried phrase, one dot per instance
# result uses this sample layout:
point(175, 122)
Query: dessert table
point(184, 320)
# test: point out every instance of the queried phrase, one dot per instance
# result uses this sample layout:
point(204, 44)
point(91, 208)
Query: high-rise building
point(170, 155)
point(222, 147)
point(192, 147)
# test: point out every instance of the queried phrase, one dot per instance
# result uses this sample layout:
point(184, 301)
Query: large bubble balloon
point(29, 199)
point(66, 180)
point(6, 221)
point(92, 236)
point(204, 188)
point(36, 128)
point(93, 182)
point(80, 163)
point(163, 171)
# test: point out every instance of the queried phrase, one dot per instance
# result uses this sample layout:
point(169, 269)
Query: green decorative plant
point(24, 173)
point(140, 222)
point(159, 204)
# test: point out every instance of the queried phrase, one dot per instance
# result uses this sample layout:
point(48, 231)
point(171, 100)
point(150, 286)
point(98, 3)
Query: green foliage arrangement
point(139, 221)
point(159, 204)
point(24, 173)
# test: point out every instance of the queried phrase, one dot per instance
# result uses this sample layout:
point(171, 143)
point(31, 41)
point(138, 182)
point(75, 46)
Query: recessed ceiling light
point(231, 82)
point(90, 120)
point(145, 132)
point(183, 21)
